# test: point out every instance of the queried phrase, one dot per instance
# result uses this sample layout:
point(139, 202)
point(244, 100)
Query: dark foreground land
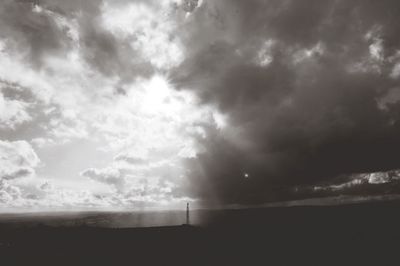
point(364, 234)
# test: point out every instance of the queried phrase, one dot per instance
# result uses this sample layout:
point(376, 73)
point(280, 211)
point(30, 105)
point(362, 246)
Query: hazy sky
point(117, 103)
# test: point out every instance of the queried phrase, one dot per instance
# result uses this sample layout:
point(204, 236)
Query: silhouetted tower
point(187, 214)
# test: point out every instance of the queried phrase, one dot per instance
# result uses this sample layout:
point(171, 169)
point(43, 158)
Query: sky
point(116, 104)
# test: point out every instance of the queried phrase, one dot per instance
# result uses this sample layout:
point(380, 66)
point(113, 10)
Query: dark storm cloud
point(309, 115)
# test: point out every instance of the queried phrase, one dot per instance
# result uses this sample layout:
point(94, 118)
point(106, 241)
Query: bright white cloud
point(373, 61)
point(395, 73)
point(13, 112)
point(376, 49)
point(303, 54)
point(391, 97)
point(148, 29)
point(17, 159)
point(264, 56)
point(375, 178)
point(151, 116)
point(8, 193)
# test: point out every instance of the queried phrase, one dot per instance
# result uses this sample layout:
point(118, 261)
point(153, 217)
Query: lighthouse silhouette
point(187, 214)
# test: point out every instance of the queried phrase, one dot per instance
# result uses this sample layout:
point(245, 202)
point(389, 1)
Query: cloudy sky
point(135, 104)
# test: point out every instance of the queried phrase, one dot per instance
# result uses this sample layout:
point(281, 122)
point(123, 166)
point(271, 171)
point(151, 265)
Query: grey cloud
point(109, 55)
point(18, 173)
point(107, 176)
point(32, 32)
point(190, 5)
point(130, 159)
point(38, 34)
